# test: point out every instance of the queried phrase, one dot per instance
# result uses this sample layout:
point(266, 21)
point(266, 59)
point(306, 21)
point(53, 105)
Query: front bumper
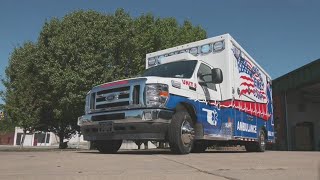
point(138, 124)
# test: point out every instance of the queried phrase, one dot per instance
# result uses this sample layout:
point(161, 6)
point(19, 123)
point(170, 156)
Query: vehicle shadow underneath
point(157, 151)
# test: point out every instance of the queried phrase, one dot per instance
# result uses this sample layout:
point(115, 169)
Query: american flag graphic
point(250, 76)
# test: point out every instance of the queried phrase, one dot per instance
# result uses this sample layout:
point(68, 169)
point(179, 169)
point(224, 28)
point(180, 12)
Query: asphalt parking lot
point(159, 164)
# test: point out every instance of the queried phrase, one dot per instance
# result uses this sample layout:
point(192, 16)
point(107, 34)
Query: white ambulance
point(204, 93)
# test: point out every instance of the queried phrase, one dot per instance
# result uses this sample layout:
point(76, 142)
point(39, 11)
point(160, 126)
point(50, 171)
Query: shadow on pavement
point(157, 151)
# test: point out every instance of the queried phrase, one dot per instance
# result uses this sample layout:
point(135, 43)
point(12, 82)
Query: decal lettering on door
point(192, 85)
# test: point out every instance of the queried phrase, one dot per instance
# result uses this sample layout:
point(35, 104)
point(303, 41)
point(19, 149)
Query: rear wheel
point(259, 146)
point(108, 146)
point(181, 133)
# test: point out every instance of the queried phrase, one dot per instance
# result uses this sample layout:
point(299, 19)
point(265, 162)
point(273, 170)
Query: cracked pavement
point(159, 164)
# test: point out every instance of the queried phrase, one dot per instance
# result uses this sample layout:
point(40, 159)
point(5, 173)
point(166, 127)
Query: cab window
point(204, 69)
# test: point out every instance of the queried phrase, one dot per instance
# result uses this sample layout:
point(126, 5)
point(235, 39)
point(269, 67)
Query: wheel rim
point(262, 141)
point(187, 133)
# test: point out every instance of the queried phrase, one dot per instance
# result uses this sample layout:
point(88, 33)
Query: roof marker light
point(218, 46)
point(182, 51)
point(160, 59)
point(205, 49)
point(194, 51)
point(151, 61)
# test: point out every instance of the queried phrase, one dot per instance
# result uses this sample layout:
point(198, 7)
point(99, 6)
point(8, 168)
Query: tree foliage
point(47, 81)
point(22, 99)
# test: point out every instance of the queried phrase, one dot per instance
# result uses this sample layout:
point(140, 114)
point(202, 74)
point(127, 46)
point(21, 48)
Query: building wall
point(29, 138)
point(50, 139)
point(7, 139)
point(300, 113)
point(280, 123)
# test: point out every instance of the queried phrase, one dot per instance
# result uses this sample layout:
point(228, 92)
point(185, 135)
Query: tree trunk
point(145, 145)
point(138, 143)
point(62, 145)
point(23, 138)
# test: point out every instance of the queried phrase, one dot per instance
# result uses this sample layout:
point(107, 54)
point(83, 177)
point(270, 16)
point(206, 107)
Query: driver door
point(209, 99)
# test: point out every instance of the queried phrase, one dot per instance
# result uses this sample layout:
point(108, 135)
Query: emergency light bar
point(194, 51)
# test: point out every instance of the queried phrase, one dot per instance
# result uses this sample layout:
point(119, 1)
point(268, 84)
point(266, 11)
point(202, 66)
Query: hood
point(147, 80)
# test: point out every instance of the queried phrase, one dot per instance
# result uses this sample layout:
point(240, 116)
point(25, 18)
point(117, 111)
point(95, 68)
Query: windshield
point(178, 69)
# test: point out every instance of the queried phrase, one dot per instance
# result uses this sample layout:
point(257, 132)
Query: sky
point(280, 35)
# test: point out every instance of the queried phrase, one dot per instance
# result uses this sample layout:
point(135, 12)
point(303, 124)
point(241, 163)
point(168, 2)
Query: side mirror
point(217, 76)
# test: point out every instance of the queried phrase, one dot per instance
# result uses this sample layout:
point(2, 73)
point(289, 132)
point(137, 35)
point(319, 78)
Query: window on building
point(40, 137)
point(18, 140)
point(48, 138)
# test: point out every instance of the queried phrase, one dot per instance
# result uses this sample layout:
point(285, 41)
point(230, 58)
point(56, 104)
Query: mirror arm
point(202, 83)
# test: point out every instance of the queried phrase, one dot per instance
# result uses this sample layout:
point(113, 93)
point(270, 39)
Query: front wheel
point(108, 146)
point(181, 133)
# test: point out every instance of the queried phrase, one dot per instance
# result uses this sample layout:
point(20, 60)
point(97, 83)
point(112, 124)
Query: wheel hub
point(187, 133)
point(262, 140)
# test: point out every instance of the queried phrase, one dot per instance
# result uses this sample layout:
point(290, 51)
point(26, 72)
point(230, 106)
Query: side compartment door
point(209, 97)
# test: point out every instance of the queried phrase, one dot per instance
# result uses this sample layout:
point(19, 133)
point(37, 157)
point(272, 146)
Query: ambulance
point(196, 95)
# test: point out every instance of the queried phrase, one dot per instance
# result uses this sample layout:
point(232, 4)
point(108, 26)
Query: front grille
point(136, 94)
point(115, 116)
point(127, 88)
point(109, 105)
point(116, 97)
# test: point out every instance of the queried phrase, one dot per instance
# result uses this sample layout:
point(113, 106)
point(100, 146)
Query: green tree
point(87, 48)
point(5, 125)
point(22, 98)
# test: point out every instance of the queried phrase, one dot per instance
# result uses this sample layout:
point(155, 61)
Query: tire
point(108, 147)
point(251, 147)
point(92, 145)
point(181, 133)
point(199, 147)
point(259, 146)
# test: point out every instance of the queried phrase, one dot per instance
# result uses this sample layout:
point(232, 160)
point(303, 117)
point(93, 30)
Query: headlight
point(87, 106)
point(79, 122)
point(90, 102)
point(156, 95)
